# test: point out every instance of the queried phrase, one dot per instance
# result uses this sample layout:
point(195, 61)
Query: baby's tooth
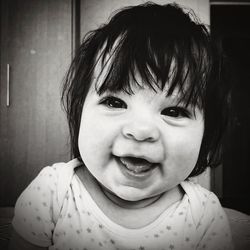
point(123, 162)
point(135, 167)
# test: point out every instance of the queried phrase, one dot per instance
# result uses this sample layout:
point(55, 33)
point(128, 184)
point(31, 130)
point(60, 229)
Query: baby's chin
point(134, 200)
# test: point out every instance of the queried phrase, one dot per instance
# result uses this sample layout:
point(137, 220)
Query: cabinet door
point(36, 44)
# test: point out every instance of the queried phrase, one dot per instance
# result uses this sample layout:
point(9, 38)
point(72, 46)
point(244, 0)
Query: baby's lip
point(136, 164)
point(138, 158)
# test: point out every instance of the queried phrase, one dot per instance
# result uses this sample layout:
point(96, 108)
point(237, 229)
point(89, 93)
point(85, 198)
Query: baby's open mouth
point(136, 165)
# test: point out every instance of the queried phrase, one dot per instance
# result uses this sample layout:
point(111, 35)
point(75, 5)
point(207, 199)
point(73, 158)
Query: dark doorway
point(230, 26)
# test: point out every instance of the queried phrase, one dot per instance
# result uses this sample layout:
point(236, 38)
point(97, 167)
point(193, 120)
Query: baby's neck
point(129, 204)
point(125, 213)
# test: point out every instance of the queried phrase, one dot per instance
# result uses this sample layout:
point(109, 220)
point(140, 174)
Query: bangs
point(174, 58)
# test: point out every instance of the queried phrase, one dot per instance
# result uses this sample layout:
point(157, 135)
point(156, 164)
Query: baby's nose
point(141, 131)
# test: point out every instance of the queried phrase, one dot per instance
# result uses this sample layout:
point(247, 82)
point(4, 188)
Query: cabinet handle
point(8, 86)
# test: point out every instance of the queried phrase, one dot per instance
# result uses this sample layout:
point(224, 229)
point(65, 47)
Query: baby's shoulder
point(62, 169)
point(201, 201)
point(51, 179)
point(58, 171)
point(38, 207)
point(196, 192)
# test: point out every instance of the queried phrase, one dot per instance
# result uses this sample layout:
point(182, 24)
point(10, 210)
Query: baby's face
point(140, 145)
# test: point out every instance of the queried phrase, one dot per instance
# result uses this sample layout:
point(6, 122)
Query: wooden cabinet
point(36, 43)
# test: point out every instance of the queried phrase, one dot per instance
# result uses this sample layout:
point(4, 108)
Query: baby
point(146, 110)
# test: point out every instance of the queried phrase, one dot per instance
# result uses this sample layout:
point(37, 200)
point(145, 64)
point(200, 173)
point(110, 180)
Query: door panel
point(36, 43)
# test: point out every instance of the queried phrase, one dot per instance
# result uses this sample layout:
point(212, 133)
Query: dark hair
point(165, 45)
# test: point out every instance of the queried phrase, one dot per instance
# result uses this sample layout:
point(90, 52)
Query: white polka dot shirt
point(57, 212)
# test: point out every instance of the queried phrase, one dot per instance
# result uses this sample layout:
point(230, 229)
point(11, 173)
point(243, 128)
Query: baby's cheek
point(186, 158)
point(94, 141)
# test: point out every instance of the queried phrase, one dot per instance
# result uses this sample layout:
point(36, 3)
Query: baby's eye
point(176, 112)
point(113, 102)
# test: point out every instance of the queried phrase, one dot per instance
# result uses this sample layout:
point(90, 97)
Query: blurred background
point(38, 40)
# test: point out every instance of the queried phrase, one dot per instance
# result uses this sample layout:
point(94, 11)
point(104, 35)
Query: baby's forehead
point(146, 92)
point(136, 82)
point(111, 73)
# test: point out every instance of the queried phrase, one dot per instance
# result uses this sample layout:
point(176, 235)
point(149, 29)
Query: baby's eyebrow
point(111, 92)
point(175, 96)
point(178, 100)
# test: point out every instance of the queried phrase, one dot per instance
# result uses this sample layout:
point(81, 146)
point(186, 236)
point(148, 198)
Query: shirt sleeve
point(33, 218)
point(217, 233)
